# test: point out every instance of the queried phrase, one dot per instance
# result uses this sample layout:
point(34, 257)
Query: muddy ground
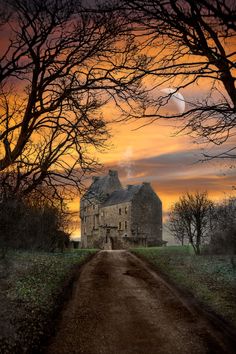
point(121, 306)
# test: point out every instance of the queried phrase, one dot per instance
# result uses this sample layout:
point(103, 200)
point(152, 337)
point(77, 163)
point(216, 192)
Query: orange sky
point(152, 153)
point(169, 162)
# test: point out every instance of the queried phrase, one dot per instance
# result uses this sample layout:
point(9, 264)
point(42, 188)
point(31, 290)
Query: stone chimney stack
point(113, 173)
point(146, 183)
point(111, 182)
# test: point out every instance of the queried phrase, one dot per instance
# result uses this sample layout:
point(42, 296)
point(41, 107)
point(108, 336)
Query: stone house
point(114, 217)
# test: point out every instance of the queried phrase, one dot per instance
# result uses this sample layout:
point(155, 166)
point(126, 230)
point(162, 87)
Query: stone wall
point(90, 205)
point(89, 214)
point(133, 223)
point(147, 216)
point(118, 217)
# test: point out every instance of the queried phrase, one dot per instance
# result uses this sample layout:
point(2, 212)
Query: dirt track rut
point(120, 306)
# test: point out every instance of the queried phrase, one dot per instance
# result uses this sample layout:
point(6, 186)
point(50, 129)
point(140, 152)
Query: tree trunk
point(197, 252)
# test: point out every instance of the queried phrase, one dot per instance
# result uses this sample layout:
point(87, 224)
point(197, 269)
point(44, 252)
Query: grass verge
point(33, 286)
point(210, 279)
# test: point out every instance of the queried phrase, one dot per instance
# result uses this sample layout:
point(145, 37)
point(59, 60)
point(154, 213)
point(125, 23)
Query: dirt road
point(120, 306)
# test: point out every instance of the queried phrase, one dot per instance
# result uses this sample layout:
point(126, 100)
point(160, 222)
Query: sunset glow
point(138, 149)
point(171, 163)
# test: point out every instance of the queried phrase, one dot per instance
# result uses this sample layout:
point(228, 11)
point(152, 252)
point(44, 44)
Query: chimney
point(113, 173)
point(146, 183)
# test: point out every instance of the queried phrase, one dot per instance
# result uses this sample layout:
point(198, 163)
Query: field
point(210, 279)
point(32, 289)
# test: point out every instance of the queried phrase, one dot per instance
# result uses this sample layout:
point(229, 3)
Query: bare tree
point(191, 216)
point(192, 42)
point(60, 64)
point(176, 226)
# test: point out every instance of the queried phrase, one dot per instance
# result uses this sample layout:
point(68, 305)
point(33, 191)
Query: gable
point(103, 186)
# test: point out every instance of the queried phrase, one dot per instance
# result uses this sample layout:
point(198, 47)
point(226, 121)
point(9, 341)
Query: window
point(126, 210)
point(126, 225)
point(119, 225)
point(119, 211)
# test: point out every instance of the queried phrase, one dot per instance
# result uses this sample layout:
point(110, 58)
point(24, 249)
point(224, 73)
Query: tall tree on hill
point(193, 42)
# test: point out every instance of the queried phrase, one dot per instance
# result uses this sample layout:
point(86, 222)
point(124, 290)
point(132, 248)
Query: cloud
point(172, 174)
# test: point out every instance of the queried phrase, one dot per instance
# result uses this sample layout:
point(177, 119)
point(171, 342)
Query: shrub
point(24, 226)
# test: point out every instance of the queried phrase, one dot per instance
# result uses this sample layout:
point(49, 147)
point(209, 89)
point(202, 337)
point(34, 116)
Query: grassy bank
point(210, 279)
point(32, 289)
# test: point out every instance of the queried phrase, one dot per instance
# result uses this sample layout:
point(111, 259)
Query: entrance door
point(108, 245)
point(108, 232)
point(112, 243)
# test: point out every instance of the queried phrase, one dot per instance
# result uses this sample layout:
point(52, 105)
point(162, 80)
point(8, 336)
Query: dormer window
point(119, 211)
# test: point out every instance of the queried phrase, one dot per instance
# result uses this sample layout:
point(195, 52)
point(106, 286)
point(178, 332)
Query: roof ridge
point(122, 195)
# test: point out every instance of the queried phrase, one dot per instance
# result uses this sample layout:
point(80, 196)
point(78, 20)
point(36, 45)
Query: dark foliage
point(223, 236)
point(27, 226)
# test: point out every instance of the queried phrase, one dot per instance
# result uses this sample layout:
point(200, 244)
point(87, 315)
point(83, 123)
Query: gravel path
point(120, 306)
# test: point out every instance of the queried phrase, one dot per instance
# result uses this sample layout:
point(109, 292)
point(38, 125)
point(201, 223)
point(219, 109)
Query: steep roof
point(103, 186)
point(108, 190)
point(122, 195)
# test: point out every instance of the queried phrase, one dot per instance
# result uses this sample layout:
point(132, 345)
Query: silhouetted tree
point(192, 42)
point(191, 216)
point(176, 226)
point(60, 65)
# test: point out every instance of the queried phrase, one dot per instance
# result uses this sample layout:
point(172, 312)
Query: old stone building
point(114, 217)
